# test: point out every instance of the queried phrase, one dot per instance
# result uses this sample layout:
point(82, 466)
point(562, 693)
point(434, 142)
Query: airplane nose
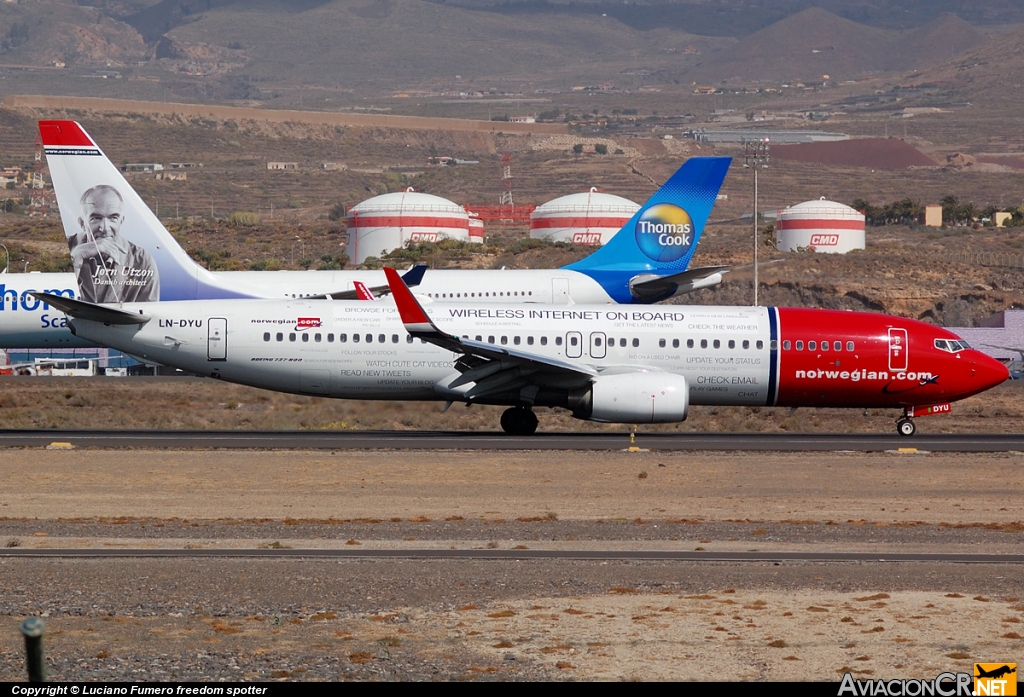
point(988, 371)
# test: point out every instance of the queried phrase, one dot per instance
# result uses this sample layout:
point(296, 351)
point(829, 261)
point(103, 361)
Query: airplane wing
point(90, 311)
point(652, 287)
point(413, 277)
point(491, 369)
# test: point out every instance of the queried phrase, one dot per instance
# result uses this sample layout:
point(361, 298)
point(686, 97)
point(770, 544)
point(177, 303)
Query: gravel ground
point(349, 619)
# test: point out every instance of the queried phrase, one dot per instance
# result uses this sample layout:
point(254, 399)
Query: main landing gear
point(519, 421)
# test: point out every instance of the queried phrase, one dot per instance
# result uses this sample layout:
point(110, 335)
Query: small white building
point(821, 226)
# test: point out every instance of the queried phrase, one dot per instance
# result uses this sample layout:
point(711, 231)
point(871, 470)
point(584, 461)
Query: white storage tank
point(476, 228)
point(823, 226)
point(387, 222)
point(588, 218)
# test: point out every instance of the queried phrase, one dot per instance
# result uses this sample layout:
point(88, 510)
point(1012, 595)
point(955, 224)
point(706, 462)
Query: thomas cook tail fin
point(663, 234)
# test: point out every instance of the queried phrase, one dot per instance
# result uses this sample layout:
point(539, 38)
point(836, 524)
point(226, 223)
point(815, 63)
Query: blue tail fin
point(663, 235)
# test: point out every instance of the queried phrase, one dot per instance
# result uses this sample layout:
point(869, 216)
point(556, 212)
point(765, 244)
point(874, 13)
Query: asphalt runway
point(519, 555)
point(480, 440)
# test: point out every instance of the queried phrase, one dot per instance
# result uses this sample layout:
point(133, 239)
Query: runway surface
point(477, 440)
point(521, 554)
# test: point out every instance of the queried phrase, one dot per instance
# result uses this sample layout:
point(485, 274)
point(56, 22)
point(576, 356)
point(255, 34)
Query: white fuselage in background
point(26, 322)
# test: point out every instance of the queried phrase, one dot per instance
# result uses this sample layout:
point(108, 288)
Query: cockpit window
point(950, 345)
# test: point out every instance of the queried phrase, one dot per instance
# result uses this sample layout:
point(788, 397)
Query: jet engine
point(636, 398)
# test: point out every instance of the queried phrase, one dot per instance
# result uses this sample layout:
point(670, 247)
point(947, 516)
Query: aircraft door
point(573, 345)
point(597, 344)
point(560, 291)
point(217, 339)
point(898, 349)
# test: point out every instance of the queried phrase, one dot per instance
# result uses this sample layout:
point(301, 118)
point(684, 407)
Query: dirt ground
point(350, 619)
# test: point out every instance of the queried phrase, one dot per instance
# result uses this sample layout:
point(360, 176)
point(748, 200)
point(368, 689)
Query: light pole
point(755, 156)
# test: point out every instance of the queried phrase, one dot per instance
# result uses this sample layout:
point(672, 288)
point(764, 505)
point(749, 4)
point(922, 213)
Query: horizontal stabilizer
point(91, 312)
point(650, 287)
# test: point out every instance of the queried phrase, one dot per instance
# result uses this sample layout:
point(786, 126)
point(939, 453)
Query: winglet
point(413, 316)
point(362, 292)
point(414, 276)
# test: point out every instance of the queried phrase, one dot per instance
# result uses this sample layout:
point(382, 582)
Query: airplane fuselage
point(756, 356)
point(26, 322)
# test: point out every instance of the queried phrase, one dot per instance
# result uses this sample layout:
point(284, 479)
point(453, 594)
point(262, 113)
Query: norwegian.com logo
point(664, 232)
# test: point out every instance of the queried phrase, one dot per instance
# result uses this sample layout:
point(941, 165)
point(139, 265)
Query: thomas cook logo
point(995, 679)
point(664, 232)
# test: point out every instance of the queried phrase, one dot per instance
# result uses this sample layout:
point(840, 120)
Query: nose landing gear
point(519, 421)
point(905, 427)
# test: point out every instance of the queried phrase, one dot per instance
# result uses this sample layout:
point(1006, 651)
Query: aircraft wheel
point(905, 427)
point(518, 421)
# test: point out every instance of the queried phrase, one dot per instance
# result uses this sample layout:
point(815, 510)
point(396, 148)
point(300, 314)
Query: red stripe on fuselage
point(864, 376)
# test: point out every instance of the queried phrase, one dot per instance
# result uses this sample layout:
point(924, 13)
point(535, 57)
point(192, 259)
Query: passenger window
point(291, 337)
point(675, 343)
point(746, 343)
point(490, 340)
point(837, 345)
point(622, 343)
point(732, 344)
point(504, 340)
point(558, 341)
point(774, 345)
point(716, 343)
point(703, 343)
point(849, 345)
point(394, 338)
point(330, 338)
point(280, 336)
point(369, 338)
point(573, 341)
point(786, 345)
point(636, 343)
point(661, 343)
point(479, 338)
point(597, 341)
point(689, 343)
point(824, 346)
point(408, 338)
point(760, 344)
point(342, 338)
point(355, 338)
point(543, 341)
point(318, 338)
point(305, 338)
point(515, 340)
point(529, 341)
point(382, 338)
point(799, 346)
point(266, 336)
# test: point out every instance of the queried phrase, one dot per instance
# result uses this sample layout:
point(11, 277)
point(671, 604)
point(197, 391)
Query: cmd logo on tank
point(664, 232)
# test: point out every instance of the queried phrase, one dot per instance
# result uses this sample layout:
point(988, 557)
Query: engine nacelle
point(636, 398)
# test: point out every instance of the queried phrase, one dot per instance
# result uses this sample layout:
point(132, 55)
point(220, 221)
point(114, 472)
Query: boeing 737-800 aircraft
point(602, 362)
point(122, 253)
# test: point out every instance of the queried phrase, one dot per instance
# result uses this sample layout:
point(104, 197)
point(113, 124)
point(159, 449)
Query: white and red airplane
point(602, 362)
